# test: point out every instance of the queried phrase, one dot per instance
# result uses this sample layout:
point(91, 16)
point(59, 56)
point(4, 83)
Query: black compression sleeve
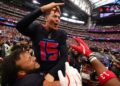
point(24, 26)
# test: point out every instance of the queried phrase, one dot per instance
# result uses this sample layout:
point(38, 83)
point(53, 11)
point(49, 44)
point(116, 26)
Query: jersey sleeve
point(26, 26)
point(63, 55)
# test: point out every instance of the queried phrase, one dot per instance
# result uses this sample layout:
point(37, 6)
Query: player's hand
point(82, 48)
point(49, 78)
point(72, 77)
point(55, 83)
point(48, 7)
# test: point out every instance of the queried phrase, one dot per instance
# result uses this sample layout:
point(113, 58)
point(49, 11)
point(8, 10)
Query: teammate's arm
point(106, 77)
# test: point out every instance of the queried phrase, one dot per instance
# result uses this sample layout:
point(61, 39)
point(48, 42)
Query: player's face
point(53, 20)
point(27, 62)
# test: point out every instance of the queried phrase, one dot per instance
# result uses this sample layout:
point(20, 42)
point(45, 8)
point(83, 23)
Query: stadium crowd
point(108, 52)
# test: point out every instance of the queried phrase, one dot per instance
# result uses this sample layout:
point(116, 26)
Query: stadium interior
point(95, 21)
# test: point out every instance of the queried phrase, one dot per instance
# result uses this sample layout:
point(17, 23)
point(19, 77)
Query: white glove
point(72, 76)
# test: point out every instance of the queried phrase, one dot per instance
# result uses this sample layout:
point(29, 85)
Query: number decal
point(42, 51)
point(49, 51)
point(103, 75)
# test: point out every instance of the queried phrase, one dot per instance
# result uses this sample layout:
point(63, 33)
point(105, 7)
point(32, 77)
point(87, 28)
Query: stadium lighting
point(72, 20)
point(98, 3)
point(35, 2)
point(74, 17)
point(83, 5)
point(65, 14)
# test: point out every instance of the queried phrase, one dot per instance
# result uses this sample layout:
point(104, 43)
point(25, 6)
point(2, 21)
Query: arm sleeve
point(63, 56)
point(26, 25)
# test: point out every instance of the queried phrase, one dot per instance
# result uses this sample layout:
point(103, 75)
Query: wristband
point(105, 76)
point(92, 59)
point(93, 54)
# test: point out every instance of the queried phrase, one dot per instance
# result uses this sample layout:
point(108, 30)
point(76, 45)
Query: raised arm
point(106, 77)
point(25, 26)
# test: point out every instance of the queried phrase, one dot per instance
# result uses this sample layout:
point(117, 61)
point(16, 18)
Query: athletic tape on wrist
point(92, 59)
point(105, 76)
